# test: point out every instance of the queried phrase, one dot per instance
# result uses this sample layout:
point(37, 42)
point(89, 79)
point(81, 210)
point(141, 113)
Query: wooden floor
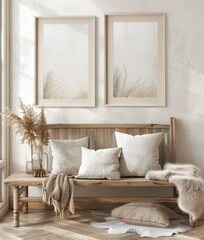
point(44, 225)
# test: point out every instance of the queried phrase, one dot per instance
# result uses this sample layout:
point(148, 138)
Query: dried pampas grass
point(31, 126)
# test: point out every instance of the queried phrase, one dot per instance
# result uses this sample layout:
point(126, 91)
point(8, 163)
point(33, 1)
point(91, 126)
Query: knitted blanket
point(189, 181)
point(58, 191)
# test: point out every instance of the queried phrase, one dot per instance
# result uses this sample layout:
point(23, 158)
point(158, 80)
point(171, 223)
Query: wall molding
point(5, 98)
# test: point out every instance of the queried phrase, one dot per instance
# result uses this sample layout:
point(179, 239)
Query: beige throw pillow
point(102, 163)
point(146, 214)
point(67, 155)
point(140, 153)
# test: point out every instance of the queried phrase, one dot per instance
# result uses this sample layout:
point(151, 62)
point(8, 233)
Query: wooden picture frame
point(65, 61)
point(135, 59)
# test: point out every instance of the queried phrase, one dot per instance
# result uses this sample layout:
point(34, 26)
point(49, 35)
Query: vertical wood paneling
point(173, 139)
point(128, 130)
point(146, 131)
point(107, 138)
point(123, 130)
point(65, 133)
point(163, 148)
point(103, 136)
point(55, 133)
point(154, 130)
point(97, 138)
point(77, 133)
point(88, 132)
point(88, 135)
point(136, 131)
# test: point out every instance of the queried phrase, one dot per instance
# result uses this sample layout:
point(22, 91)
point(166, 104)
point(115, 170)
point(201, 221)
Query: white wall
point(184, 68)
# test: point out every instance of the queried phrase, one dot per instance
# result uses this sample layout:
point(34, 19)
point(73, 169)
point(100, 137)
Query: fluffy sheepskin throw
point(58, 191)
point(189, 181)
point(171, 169)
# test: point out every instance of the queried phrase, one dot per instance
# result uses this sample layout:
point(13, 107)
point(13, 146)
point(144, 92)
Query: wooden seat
point(123, 182)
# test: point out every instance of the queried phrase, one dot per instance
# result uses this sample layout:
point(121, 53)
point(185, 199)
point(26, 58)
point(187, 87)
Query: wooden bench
point(102, 136)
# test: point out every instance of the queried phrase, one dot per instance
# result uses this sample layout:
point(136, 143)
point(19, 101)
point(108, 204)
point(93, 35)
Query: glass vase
point(37, 163)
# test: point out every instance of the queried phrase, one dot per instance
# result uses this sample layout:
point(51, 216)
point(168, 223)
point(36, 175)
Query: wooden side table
point(20, 182)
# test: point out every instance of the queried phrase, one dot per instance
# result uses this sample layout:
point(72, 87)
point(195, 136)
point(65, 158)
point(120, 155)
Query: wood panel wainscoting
point(100, 136)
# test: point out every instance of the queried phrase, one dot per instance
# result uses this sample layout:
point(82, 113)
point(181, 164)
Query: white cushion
point(140, 153)
point(67, 155)
point(102, 163)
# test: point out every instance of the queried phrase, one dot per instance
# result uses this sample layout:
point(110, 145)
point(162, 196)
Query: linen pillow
point(67, 155)
point(140, 153)
point(146, 214)
point(102, 163)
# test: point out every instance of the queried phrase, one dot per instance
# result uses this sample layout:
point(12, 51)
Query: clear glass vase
point(37, 162)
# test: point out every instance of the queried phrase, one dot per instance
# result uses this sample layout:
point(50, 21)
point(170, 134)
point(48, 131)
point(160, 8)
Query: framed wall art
point(135, 60)
point(65, 61)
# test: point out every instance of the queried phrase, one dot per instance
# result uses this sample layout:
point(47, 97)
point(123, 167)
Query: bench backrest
point(102, 135)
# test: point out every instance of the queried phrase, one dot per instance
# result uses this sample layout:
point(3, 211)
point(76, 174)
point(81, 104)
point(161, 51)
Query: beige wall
point(184, 68)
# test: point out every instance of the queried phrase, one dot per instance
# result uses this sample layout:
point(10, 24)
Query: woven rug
point(115, 226)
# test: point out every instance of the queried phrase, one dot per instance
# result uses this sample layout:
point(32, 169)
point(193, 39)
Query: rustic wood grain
point(44, 224)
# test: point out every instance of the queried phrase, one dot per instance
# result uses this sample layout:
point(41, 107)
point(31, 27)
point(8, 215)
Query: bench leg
point(191, 222)
point(25, 207)
point(16, 206)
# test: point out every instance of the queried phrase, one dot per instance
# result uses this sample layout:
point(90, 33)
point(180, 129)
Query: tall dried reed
point(30, 126)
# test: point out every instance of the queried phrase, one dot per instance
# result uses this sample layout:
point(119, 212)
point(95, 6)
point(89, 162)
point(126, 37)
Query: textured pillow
point(102, 163)
point(146, 214)
point(140, 153)
point(67, 155)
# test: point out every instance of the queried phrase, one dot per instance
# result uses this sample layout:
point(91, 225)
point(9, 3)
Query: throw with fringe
point(58, 190)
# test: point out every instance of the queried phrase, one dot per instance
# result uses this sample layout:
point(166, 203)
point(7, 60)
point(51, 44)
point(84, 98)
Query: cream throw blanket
point(58, 191)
